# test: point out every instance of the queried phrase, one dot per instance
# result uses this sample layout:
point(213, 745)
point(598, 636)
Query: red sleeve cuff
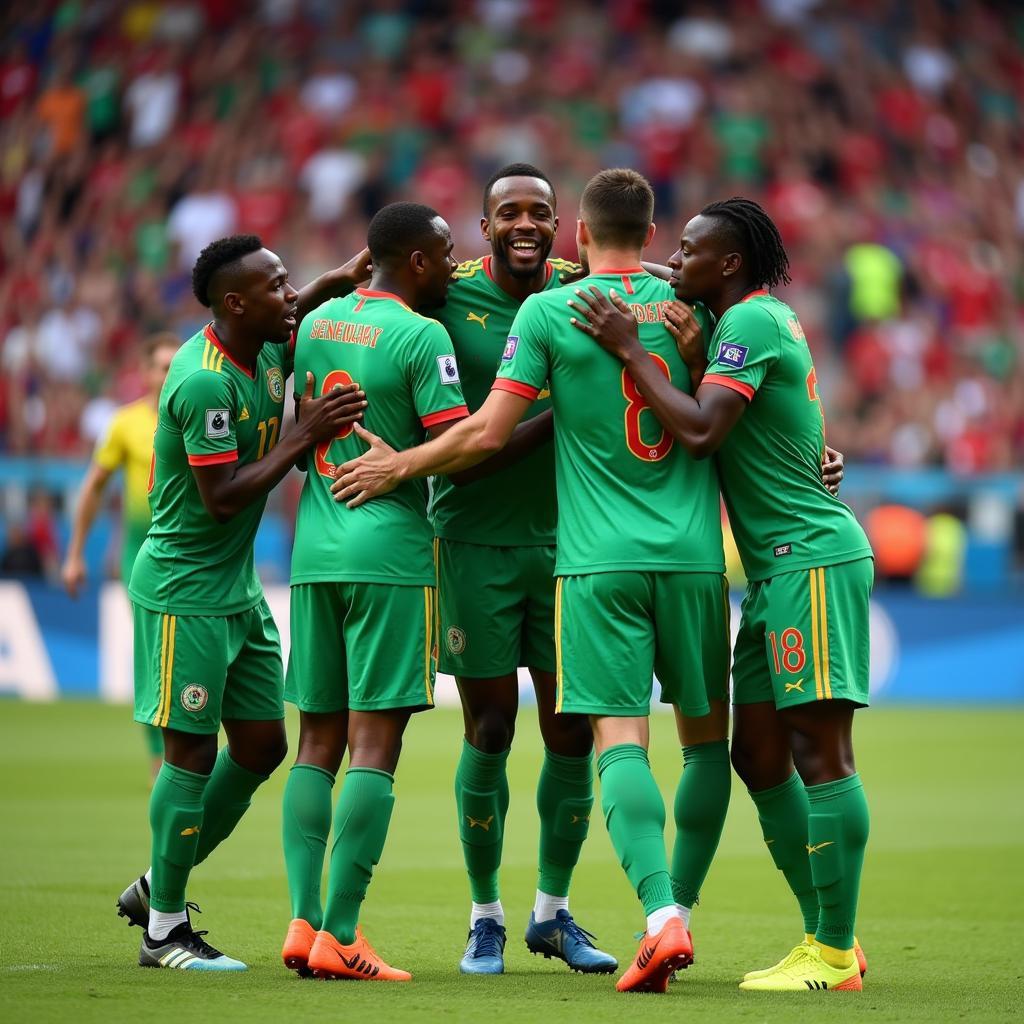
point(516, 387)
point(458, 412)
point(213, 460)
point(727, 382)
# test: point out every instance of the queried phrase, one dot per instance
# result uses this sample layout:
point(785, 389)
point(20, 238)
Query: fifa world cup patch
point(510, 347)
point(218, 423)
point(731, 354)
point(448, 369)
point(455, 638)
point(194, 697)
point(275, 384)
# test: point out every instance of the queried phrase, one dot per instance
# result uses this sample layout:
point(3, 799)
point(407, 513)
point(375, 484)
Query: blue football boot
point(484, 949)
point(565, 939)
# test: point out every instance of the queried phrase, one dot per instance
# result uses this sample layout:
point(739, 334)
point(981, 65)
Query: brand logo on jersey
point(795, 329)
point(448, 369)
point(510, 347)
point(733, 355)
point(481, 320)
point(455, 639)
point(275, 384)
point(194, 697)
point(244, 414)
point(218, 423)
point(783, 549)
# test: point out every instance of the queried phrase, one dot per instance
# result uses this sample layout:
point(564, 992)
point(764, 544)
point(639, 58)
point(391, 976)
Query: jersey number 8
point(648, 451)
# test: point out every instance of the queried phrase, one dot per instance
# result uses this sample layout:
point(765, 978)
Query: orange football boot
point(297, 944)
point(330, 959)
point(862, 960)
point(658, 957)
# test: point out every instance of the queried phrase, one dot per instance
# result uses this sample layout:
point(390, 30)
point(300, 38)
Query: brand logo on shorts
point(783, 549)
point(194, 697)
point(455, 639)
point(275, 384)
point(733, 355)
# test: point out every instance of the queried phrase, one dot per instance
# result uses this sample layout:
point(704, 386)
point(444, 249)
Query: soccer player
point(496, 593)
point(363, 596)
point(127, 445)
point(640, 582)
point(207, 651)
point(801, 659)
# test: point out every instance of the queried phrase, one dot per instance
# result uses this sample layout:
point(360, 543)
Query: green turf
point(943, 882)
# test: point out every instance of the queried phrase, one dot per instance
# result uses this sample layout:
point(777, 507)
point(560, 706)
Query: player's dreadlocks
point(215, 257)
point(756, 237)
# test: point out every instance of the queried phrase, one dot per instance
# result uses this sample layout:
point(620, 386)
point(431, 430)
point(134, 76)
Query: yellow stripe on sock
point(824, 636)
point(170, 669)
point(427, 625)
point(163, 672)
point(558, 642)
point(819, 690)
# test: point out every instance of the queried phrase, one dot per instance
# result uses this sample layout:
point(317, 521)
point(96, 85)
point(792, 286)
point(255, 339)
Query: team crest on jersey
point(448, 369)
point(275, 384)
point(732, 355)
point(218, 423)
point(194, 698)
point(455, 639)
point(510, 347)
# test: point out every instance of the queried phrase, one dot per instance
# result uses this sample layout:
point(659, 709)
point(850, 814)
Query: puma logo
point(798, 685)
point(485, 824)
point(577, 818)
point(481, 320)
point(819, 847)
point(192, 830)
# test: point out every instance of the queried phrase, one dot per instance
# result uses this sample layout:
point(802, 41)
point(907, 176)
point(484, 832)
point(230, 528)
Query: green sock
point(783, 811)
point(702, 800)
point(634, 814)
point(837, 832)
point(361, 822)
point(481, 796)
point(176, 820)
point(565, 797)
point(227, 798)
point(306, 824)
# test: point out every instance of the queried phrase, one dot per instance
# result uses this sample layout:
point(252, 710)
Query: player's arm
point(525, 440)
point(226, 488)
point(335, 284)
point(463, 444)
point(699, 423)
point(658, 270)
point(90, 498)
point(832, 469)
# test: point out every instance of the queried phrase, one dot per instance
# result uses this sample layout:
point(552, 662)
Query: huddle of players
point(642, 389)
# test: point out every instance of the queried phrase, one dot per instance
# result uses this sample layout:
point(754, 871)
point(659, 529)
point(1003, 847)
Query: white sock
point(161, 924)
point(660, 918)
point(684, 913)
point(149, 877)
point(545, 907)
point(492, 910)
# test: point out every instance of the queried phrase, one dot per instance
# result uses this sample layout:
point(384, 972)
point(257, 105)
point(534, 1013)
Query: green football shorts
point(804, 637)
point(497, 608)
point(363, 646)
point(191, 671)
point(615, 630)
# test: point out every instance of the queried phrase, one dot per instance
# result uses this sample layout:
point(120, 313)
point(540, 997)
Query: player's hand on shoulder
point(609, 321)
point(324, 417)
point(357, 270)
point(832, 463)
point(687, 334)
point(375, 472)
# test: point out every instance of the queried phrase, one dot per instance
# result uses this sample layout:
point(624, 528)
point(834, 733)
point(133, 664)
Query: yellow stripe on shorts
point(170, 669)
point(558, 642)
point(818, 688)
point(826, 681)
point(428, 616)
point(163, 678)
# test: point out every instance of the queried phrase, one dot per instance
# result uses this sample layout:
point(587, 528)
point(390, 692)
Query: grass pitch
point(943, 884)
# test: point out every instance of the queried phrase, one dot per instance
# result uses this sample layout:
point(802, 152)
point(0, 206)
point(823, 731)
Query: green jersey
point(405, 364)
point(629, 497)
point(781, 514)
point(211, 410)
point(514, 507)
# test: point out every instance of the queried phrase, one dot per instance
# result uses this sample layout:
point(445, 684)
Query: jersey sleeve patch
point(510, 348)
point(732, 354)
point(448, 369)
point(218, 423)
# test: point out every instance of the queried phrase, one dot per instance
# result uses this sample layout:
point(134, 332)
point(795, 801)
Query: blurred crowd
point(885, 138)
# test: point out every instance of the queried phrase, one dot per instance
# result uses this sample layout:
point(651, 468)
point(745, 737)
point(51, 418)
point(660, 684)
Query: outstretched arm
point(468, 442)
point(525, 440)
point(73, 571)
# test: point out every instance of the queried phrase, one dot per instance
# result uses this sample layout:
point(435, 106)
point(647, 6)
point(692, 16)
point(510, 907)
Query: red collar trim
point(487, 268)
point(367, 293)
point(628, 270)
point(212, 338)
point(754, 295)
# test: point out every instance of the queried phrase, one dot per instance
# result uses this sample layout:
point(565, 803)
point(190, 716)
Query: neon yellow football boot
point(804, 970)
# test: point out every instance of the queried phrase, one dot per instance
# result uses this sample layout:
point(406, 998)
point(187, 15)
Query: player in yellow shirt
point(127, 445)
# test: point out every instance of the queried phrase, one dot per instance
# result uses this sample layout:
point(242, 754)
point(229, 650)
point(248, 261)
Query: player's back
point(782, 516)
point(629, 497)
point(405, 365)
